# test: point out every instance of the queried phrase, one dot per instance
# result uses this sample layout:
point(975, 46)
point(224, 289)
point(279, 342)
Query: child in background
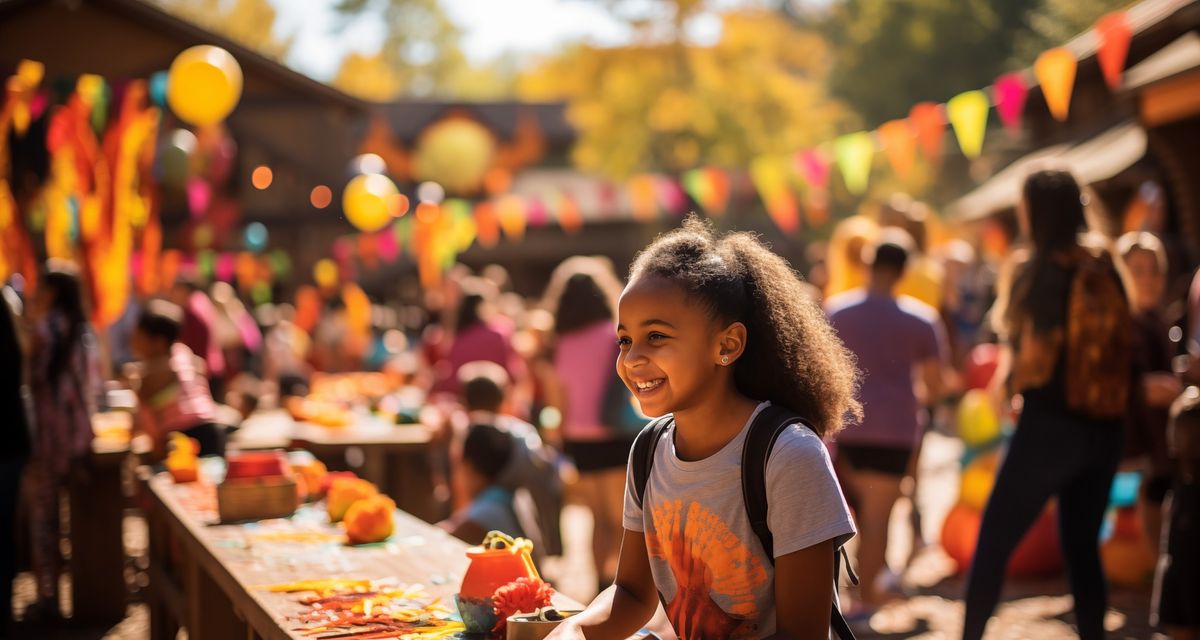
point(1177, 584)
point(485, 452)
point(532, 467)
point(1146, 424)
point(173, 392)
point(715, 330)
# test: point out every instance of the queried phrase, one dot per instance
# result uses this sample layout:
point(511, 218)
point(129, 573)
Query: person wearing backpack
point(1068, 336)
point(582, 296)
point(733, 516)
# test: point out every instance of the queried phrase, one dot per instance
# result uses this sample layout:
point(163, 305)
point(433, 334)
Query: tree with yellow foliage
point(668, 105)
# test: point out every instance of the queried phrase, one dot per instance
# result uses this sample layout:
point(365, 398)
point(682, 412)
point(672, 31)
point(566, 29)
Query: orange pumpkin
point(343, 493)
point(370, 520)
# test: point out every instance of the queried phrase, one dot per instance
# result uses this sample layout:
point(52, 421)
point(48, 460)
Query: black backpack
point(764, 431)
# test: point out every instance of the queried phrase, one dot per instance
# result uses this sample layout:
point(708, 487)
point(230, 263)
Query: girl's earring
point(724, 359)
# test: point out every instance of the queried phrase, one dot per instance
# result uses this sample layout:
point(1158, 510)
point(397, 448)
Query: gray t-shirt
point(711, 572)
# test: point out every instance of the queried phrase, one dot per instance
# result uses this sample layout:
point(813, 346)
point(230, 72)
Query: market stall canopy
point(1179, 57)
point(1094, 159)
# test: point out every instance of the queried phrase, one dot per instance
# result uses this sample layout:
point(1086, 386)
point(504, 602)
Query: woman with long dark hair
point(582, 296)
point(64, 383)
point(1069, 434)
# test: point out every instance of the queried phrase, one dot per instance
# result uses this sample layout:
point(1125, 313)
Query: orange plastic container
point(491, 569)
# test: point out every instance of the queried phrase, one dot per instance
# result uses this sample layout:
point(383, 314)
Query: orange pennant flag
point(1115, 34)
point(900, 146)
point(929, 126)
point(1055, 70)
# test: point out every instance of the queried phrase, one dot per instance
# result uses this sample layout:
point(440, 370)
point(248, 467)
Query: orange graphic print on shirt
point(707, 561)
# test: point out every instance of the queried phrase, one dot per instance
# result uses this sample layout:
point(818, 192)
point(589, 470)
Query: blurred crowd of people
point(527, 399)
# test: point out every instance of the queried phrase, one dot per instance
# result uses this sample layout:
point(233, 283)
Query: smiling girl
point(713, 331)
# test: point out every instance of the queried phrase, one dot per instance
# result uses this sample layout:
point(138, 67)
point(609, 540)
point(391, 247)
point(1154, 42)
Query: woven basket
point(257, 498)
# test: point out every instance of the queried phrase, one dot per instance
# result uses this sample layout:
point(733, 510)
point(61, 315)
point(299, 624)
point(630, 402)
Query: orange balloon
point(308, 308)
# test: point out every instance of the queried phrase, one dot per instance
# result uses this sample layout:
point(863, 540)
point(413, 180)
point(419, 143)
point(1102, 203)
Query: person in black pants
point(1062, 448)
point(14, 429)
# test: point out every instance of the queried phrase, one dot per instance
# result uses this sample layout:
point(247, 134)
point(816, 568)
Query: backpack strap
point(765, 430)
point(642, 458)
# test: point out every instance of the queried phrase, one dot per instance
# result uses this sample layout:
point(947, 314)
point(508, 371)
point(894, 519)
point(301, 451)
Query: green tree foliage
point(248, 22)
point(891, 54)
point(420, 43)
point(1056, 22)
point(672, 106)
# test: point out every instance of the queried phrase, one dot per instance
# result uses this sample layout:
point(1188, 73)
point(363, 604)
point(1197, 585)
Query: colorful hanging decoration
point(968, 113)
point(770, 177)
point(366, 202)
point(1055, 71)
point(487, 224)
point(204, 84)
point(1114, 33)
point(1010, 92)
point(511, 211)
point(569, 217)
point(814, 168)
point(854, 153)
point(670, 195)
point(899, 145)
point(929, 126)
point(643, 197)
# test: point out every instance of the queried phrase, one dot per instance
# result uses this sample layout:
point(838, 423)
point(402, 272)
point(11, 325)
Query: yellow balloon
point(977, 481)
point(366, 202)
point(204, 85)
point(325, 272)
point(456, 153)
point(978, 423)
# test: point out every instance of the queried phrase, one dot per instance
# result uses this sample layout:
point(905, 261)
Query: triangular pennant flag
point(487, 225)
point(569, 217)
point(770, 177)
point(968, 113)
point(535, 209)
point(899, 145)
point(386, 246)
point(854, 152)
point(1055, 71)
point(718, 184)
point(1010, 92)
point(643, 197)
point(670, 196)
point(695, 182)
point(929, 126)
point(1115, 34)
point(511, 210)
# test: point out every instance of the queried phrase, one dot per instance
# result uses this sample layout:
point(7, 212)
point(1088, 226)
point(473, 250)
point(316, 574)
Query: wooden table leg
point(211, 614)
point(97, 550)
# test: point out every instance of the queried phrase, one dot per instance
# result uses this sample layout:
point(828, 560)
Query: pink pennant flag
point(814, 167)
point(1010, 91)
point(670, 195)
point(535, 212)
point(225, 267)
point(386, 246)
point(199, 197)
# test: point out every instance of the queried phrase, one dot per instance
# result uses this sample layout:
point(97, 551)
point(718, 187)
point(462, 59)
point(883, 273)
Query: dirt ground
point(1039, 610)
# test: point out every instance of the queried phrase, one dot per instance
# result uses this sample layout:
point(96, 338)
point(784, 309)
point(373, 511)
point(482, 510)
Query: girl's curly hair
point(793, 357)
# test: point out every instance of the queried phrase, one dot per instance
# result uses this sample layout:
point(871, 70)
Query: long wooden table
point(204, 576)
point(399, 459)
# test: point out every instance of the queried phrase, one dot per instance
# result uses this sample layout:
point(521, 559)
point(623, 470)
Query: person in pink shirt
point(480, 334)
point(582, 296)
point(173, 393)
point(198, 328)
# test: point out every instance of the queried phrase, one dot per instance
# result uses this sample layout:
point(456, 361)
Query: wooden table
point(399, 459)
point(203, 575)
point(98, 503)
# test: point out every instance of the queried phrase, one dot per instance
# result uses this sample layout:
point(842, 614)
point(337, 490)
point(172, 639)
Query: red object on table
point(256, 464)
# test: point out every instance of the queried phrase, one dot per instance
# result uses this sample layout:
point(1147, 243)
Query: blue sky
point(490, 28)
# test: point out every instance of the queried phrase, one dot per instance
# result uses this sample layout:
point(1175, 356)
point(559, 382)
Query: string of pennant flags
point(435, 241)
